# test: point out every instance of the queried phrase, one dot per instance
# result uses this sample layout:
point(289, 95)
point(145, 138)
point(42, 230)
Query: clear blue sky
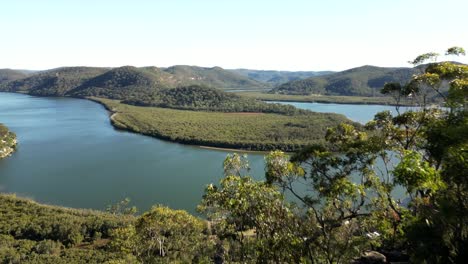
point(279, 35)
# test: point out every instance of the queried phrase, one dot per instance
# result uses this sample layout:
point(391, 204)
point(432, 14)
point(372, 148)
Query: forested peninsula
point(261, 131)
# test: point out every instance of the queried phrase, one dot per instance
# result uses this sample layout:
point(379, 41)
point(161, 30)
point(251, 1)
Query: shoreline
point(329, 99)
point(333, 102)
point(219, 146)
point(120, 126)
point(232, 149)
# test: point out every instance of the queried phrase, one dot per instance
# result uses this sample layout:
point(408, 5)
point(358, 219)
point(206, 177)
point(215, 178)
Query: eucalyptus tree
point(343, 191)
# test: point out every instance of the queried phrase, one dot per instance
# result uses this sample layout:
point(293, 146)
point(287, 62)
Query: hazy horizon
point(296, 35)
point(112, 67)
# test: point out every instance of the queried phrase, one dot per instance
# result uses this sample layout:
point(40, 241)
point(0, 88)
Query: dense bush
point(24, 219)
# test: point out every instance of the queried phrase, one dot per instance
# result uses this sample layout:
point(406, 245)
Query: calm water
point(70, 155)
point(358, 113)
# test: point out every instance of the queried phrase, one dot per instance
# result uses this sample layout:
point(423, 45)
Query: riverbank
point(326, 99)
point(8, 142)
point(257, 132)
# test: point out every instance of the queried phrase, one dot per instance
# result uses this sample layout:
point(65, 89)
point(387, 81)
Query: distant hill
point(7, 75)
point(119, 83)
point(123, 83)
point(213, 77)
point(174, 87)
point(275, 78)
point(55, 82)
point(362, 81)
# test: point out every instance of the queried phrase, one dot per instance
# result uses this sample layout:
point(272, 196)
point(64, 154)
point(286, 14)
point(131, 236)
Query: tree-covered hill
point(122, 82)
point(7, 75)
point(55, 82)
point(149, 86)
point(278, 77)
point(213, 77)
point(361, 81)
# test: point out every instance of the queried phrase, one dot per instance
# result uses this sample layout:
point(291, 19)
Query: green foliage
point(455, 51)
point(162, 235)
point(350, 205)
point(424, 58)
point(56, 82)
point(172, 234)
point(416, 174)
point(278, 166)
point(122, 208)
point(24, 219)
point(34, 233)
point(126, 82)
point(200, 98)
point(339, 204)
point(431, 144)
point(253, 216)
point(253, 131)
point(361, 81)
point(48, 247)
point(212, 77)
point(235, 164)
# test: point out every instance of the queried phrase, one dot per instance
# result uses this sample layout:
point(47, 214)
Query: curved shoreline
point(221, 146)
point(325, 99)
point(200, 143)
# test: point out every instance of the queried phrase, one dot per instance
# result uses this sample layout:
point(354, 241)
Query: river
point(70, 155)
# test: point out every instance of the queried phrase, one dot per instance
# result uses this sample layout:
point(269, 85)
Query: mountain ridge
point(79, 81)
point(275, 78)
point(365, 80)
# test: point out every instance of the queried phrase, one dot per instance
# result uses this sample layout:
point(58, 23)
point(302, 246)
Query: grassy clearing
point(251, 131)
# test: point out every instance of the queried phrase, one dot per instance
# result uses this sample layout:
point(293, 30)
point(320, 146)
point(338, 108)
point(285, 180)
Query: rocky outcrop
point(7, 142)
point(371, 257)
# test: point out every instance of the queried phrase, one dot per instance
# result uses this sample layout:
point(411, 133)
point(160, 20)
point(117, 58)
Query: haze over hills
point(128, 82)
point(75, 81)
point(55, 82)
point(361, 81)
point(216, 77)
point(278, 77)
point(7, 75)
point(180, 87)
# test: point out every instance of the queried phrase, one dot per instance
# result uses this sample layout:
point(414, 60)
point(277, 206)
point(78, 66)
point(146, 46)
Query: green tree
point(162, 235)
point(431, 144)
point(251, 217)
point(345, 187)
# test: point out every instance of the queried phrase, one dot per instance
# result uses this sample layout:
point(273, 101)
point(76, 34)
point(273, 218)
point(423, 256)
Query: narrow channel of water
point(361, 113)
